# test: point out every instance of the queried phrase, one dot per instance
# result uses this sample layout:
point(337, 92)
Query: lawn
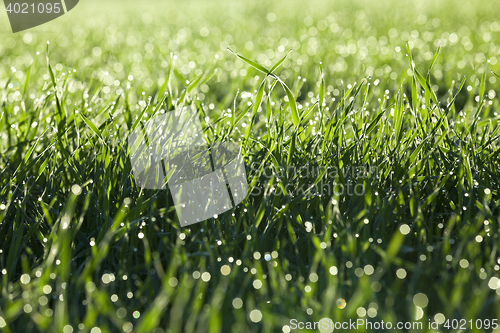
point(370, 135)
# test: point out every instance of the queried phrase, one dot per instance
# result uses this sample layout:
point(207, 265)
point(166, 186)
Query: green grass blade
point(250, 62)
point(292, 103)
point(458, 92)
point(278, 64)
point(433, 62)
point(256, 105)
point(374, 123)
point(93, 128)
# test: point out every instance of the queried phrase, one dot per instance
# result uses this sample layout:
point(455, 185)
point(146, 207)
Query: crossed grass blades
point(84, 249)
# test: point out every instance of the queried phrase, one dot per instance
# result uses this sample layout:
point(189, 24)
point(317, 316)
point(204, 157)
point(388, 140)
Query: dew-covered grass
point(395, 102)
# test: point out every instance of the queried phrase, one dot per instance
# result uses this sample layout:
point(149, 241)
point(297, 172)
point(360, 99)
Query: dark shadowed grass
point(379, 191)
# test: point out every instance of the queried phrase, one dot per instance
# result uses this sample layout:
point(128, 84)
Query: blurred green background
point(124, 264)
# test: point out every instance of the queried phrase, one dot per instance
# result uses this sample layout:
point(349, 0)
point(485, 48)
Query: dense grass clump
point(370, 135)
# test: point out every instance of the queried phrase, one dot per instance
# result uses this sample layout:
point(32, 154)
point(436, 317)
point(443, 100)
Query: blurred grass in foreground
point(84, 249)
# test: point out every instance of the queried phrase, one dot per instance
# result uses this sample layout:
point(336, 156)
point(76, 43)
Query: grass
point(403, 94)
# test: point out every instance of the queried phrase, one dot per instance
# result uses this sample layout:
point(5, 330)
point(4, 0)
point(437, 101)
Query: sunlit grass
point(84, 249)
